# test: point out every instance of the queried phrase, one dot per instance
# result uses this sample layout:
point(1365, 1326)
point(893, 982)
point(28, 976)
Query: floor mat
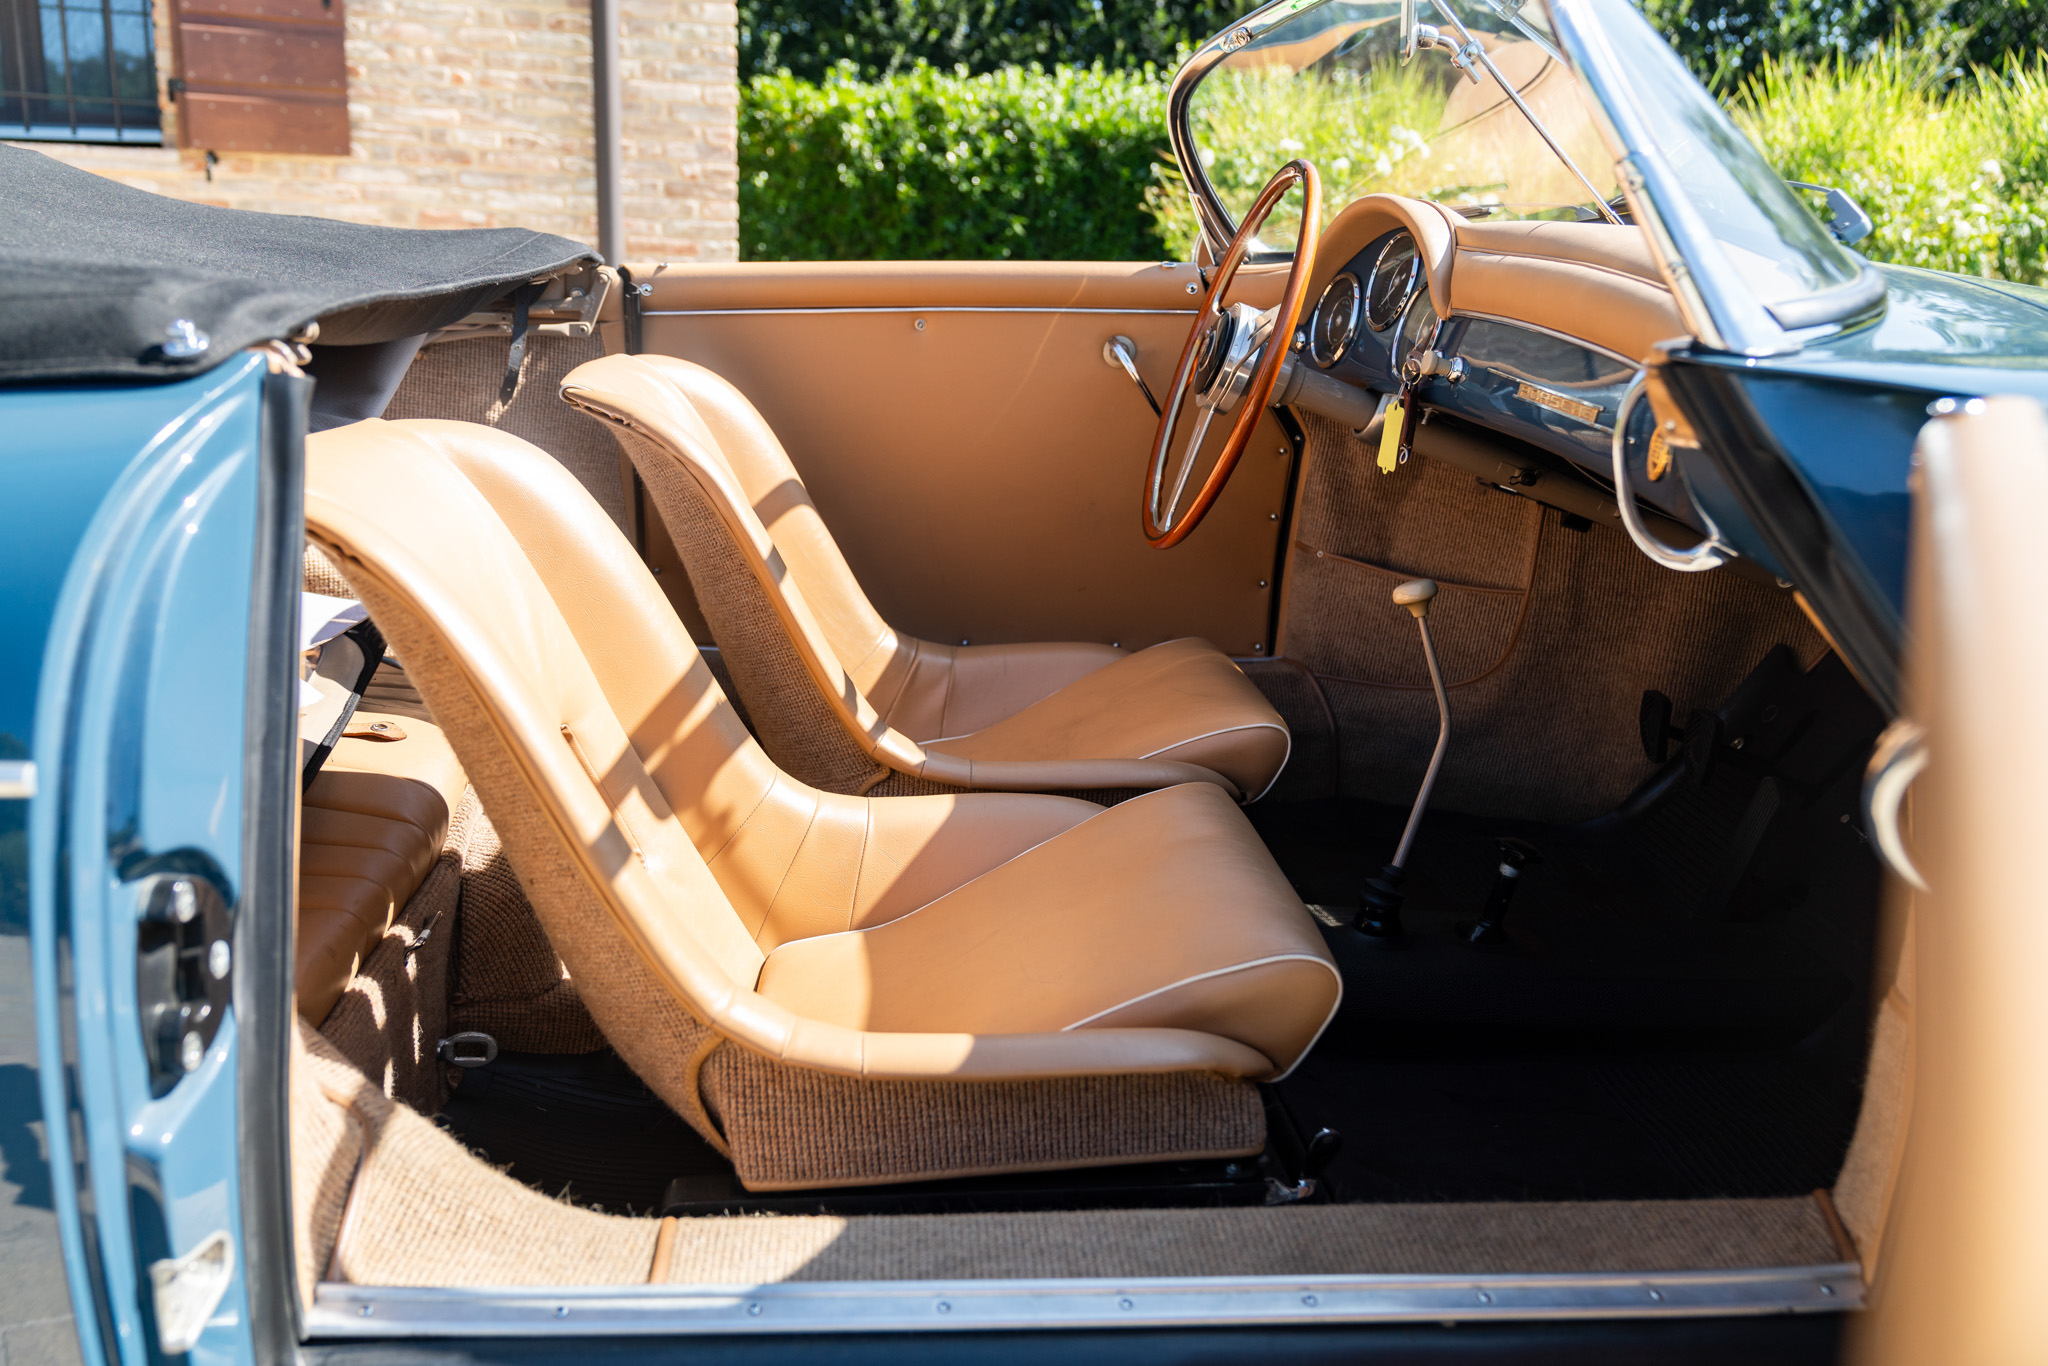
point(1548, 1127)
point(578, 1126)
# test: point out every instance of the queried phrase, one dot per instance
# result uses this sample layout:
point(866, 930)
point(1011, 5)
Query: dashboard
point(1520, 380)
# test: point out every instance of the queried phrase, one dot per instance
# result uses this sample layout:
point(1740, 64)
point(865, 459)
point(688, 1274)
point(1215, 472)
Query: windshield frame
point(1720, 307)
point(1217, 226)
point(1215, 220)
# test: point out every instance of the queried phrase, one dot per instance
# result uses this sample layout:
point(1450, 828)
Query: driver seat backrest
point(843, 699)
point(668, 861)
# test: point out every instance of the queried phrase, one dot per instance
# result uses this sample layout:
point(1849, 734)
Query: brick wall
point(479, 115)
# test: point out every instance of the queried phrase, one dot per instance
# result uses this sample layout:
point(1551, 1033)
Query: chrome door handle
point(1123, 351)
point(1899, 757)
point(1711, 553)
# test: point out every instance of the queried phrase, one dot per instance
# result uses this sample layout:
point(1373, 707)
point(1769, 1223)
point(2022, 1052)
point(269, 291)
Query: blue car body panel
point(139, 718)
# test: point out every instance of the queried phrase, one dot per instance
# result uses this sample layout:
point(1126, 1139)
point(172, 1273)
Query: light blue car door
point(150, 535)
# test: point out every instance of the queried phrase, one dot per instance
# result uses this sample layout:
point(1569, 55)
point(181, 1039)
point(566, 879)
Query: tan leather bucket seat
point(791, 619)
point(833, 989)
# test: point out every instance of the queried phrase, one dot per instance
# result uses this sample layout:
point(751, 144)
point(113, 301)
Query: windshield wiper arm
point(1471, 51)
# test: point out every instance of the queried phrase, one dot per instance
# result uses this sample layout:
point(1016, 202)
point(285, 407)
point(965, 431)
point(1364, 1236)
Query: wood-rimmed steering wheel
point(1218, 362)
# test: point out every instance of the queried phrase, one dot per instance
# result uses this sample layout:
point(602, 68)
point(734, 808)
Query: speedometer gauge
point(1336, 321)
point(1392, 282)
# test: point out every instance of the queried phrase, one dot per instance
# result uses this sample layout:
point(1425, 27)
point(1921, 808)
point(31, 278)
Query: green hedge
point(1072, 163)
point(1021, 163)
point(883, 37)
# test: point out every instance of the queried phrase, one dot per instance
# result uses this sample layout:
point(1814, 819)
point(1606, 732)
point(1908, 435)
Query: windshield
point(1779, 248)
point(1329, 84)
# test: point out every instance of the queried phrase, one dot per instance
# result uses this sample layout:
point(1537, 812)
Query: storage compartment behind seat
point(380, 876)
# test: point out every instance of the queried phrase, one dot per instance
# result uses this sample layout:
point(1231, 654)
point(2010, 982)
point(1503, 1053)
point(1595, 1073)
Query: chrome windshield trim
point(1839, 304)
point(1217, 227)
point(1718, 306)
point(361, 1311)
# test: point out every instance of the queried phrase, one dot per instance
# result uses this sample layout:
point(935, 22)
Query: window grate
point(78, 71)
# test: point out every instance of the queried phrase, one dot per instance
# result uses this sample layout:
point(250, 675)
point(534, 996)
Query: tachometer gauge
point(1392, 282)
point(1336, 321)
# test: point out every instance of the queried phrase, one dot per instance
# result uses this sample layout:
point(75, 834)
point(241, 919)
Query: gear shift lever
point(1379, 902)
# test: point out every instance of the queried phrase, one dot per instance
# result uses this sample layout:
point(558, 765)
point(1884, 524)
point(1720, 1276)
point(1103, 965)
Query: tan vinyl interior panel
point(1592, 281)
point(1964, 1252)
point(982, 472)
point(1364, 219)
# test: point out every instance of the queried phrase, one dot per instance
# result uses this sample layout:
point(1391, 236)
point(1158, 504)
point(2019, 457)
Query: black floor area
point(1679, 1009)
point(581, 1126)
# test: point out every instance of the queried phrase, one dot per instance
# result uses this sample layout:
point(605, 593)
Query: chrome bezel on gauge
point(1372, 279)
point(1395, 353)
point(1349, 331)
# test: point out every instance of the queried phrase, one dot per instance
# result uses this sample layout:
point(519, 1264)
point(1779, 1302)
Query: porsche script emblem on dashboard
point(1588, 413)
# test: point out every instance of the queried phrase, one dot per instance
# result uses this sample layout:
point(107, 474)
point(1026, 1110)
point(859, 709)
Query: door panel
point(977, 459)
point(136, 849)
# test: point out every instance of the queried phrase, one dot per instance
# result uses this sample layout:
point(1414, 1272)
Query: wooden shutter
point(261, 76)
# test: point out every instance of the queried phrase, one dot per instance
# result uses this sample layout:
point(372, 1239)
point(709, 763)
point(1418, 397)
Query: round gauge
point(1392, 282)
point(1418, 326)
point(1336, 321)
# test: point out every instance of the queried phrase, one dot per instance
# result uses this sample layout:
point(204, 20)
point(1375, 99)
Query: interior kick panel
point(975, 457)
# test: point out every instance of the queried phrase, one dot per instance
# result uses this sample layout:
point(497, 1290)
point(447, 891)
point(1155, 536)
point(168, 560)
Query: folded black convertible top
point(111, 282)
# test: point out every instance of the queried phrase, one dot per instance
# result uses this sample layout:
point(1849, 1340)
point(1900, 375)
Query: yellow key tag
point(1390, 439)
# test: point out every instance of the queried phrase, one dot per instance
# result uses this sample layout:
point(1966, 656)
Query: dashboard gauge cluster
point(1396, 274)
point(1521, 382)
point(1336, 321)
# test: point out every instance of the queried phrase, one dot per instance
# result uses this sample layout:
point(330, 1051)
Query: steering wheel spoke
point(1189, 455)
point(1231, 361)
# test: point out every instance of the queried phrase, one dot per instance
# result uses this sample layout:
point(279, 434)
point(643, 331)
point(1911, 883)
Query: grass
point(1953, 172)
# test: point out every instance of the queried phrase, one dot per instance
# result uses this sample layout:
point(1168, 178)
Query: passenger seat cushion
point(1064, 936)
point(1183, 701)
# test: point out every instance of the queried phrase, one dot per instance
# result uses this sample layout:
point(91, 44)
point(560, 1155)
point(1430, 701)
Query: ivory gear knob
point(1415, 596)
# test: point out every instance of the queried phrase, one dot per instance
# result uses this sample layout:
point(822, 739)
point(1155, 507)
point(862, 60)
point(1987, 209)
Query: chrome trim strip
point(1581, 342)
point(1861, 295)
point(17, 779)
point(1711, 552)
point(906, 308)
point(1217, 228)
point(357, 1311)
